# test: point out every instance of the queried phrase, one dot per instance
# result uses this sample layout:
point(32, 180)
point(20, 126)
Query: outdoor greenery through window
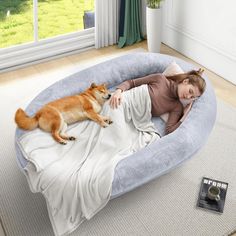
point(16, 22)
point(55, 17)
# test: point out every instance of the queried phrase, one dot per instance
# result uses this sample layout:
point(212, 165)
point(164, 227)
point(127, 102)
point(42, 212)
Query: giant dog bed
point(162, 155)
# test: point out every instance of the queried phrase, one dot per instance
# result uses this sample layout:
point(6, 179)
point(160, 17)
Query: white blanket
point(76, 179)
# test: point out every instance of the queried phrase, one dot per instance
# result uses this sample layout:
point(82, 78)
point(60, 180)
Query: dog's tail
point(25, 122)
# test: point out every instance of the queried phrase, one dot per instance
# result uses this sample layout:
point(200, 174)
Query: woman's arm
point(115, 99)
point(173, 121)
point(128, 84)
point(186, 111)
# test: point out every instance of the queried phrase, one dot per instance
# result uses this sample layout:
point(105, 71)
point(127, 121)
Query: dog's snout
point(107, 96)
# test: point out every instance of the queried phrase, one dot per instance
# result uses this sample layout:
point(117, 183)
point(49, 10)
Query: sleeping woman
point(165, 94)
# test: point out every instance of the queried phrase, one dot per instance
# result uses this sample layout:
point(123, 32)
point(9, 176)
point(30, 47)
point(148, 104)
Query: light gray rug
point(165, 206)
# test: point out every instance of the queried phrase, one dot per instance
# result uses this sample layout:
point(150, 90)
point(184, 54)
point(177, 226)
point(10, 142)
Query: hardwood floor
point(223, 89)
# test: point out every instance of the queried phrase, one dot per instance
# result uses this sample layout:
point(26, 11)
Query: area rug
point(165, 206)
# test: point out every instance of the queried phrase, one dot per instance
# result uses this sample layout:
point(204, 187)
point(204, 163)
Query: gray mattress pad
point(159, 157)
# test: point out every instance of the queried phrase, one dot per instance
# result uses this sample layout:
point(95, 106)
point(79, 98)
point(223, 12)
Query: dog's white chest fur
point(96, 106)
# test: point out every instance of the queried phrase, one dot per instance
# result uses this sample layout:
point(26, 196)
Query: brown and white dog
point(56, 115)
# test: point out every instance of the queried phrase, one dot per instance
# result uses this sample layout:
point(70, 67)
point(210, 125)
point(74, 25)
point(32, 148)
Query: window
point(32, 30)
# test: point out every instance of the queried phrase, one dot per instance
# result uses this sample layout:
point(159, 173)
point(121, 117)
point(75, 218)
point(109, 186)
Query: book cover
point(203, 199)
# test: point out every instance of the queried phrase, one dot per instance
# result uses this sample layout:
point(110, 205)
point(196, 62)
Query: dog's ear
point(105, 85)
point(93, 85)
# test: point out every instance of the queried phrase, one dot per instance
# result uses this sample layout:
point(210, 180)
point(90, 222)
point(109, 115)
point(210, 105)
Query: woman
point(166, 93)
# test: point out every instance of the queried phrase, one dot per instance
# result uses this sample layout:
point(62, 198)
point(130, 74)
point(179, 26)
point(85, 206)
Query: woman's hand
point(115, 99)
point(186, 111)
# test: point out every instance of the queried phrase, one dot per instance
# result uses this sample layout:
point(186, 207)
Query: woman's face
point(187, 90)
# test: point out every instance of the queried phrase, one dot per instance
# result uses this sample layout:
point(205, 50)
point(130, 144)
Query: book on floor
point(212, 200)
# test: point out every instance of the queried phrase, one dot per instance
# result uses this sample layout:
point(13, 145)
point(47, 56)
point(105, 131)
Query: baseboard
point(21, 56)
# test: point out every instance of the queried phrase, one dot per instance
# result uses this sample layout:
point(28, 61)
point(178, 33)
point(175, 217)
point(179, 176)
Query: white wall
point(205, 31)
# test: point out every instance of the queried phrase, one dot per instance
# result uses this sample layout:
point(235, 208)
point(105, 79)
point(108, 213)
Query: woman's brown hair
point(194, 77)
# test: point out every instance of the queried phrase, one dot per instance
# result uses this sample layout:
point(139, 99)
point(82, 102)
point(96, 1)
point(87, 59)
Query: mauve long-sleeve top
point(164, 97)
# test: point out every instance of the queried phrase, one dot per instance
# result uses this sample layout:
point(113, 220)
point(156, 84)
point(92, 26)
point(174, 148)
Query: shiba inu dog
point(56, 115)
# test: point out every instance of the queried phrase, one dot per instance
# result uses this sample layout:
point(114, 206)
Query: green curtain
point(132, 24)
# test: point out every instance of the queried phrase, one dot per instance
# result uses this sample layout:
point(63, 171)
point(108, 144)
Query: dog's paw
point(108, 121)
point(104, 125)
point(63, 142)
point(71, 138)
